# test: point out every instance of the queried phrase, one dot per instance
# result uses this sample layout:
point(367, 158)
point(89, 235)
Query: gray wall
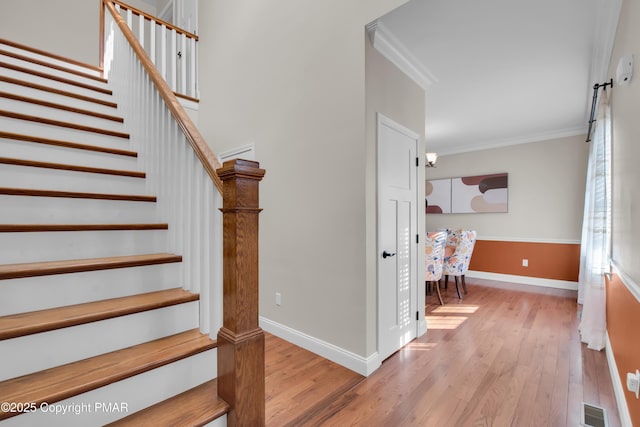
point(546, 190)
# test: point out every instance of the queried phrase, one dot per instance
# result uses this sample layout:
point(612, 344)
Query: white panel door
point(397, 231)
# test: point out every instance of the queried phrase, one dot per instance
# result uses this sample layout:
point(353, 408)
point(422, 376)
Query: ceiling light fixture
point(431, 160)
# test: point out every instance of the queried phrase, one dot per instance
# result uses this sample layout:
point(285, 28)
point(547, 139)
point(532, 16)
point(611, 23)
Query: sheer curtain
point(596, 231)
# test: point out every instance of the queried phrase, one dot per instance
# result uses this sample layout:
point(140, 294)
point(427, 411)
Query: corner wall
point(289, 77)
point(623, 293)
point(544, 222)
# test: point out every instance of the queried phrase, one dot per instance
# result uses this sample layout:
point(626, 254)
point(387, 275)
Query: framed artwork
point(438, 197)
point(471, 194)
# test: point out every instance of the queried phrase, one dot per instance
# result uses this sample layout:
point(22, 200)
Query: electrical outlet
point(525, 262)
point(633, 382)
point(278, 298)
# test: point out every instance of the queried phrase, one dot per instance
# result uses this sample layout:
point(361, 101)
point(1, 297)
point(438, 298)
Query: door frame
point(417, 302)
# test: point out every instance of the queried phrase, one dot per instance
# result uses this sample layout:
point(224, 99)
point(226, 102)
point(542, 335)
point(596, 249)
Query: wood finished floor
point(499, 358)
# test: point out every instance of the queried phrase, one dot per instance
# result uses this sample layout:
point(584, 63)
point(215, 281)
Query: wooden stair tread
point(60, 123)
point(55, 78)
point(195, 407)
point(31, 269)
point(74, 168)
point(53, 66)
point(26, 228)
point(62, 382)
point(66, 144)
point(18, 325)
point(57, 91)
point(75, 194)
point(58, 106)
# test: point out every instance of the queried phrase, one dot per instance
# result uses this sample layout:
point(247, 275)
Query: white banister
point(187, 197)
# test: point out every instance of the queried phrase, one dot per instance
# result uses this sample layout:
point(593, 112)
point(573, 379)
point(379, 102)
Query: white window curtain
point(596, 231)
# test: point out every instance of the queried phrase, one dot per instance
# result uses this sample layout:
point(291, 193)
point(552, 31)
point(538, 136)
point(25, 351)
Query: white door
point(397, 234)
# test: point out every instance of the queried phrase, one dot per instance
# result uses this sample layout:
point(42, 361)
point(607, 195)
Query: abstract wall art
point(471, 194)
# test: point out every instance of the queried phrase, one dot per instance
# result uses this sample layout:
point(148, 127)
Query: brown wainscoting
point(559, 261)
point(623, 318)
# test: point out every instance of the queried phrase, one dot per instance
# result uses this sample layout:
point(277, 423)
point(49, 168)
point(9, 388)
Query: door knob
point(386, 254)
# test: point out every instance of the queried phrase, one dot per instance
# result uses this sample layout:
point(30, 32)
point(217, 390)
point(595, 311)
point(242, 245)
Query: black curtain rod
point(594, 102)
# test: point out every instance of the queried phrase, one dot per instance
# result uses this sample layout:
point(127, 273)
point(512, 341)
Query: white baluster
point(183, 65)
point(173, 54)
point(152, 41)
point(193, 68)
point(141, 30)
point(130, 19)
point(163, 52)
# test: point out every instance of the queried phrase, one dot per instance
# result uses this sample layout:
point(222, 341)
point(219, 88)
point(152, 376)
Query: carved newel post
point(240, 340)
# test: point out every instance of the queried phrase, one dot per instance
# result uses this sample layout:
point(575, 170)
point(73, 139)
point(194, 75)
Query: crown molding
point(385, 42)
point(487, 145)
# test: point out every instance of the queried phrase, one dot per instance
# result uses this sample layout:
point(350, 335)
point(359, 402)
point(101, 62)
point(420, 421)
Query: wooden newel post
point(240, 340)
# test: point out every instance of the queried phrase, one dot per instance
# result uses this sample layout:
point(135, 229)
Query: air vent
point(593, 416)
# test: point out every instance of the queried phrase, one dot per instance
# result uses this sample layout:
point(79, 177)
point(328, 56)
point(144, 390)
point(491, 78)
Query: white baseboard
point(618, 390)
point(526, 280)
point(362, 365)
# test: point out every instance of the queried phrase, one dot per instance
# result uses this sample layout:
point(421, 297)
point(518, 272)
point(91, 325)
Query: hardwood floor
point(498, 358)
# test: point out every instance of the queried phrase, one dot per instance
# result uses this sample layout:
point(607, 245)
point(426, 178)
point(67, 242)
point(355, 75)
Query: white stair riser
point(61, 210)
point(134, 393)
point(7, 72)
point(58, 290)
point(27, 150)
point(61, 245)
point(24, 355)
point(58, 98)
point(65, 180)
point(218, 422)
point(50, 60)
point(52, 71)
point(26, 127)
point(60, 115)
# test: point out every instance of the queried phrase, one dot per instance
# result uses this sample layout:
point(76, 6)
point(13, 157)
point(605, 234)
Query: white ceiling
point(501, 72)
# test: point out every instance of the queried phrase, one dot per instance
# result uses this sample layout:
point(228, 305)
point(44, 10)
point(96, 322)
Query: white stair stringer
point(130, 395)
point(74, 343)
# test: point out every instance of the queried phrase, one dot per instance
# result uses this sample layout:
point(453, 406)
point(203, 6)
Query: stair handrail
point(208, 158)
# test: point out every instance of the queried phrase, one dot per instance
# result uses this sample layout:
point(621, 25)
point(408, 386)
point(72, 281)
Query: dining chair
point(461, 242)
point(434, 260)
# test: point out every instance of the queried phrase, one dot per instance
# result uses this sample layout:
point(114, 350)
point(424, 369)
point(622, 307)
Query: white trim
point(525, 280)
point(530, 240)
point(362, 365)
point(245, 152)
point(188, 104)
point(525, 139)
point(631, 284)
point(618, 390)
point(385, 42)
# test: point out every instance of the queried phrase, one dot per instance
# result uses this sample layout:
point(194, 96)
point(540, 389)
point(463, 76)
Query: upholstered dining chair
point(434, 260)
point(461, 243)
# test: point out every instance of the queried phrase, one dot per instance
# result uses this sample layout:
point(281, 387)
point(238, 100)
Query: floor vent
point(593, 416)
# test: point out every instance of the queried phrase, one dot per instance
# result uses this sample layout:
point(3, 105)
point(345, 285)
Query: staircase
point(95, 326)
